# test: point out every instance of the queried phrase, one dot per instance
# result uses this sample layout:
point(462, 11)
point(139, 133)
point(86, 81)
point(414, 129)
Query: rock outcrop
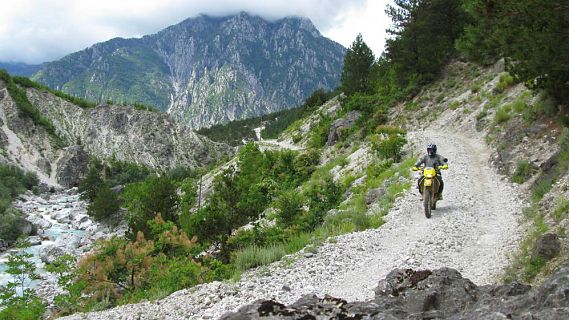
point(340, 126)
point(124, 133)
point(72, 166)
point(437, 294)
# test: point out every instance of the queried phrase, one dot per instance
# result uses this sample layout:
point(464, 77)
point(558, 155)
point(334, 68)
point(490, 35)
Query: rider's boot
point(440, 196)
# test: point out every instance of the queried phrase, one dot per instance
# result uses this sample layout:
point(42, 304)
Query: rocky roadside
point(438, 294)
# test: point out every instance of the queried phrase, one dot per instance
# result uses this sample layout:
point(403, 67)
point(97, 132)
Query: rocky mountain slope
point(107, 131)
point(205, 70)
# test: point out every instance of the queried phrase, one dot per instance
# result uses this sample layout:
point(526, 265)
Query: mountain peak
point(206, 70)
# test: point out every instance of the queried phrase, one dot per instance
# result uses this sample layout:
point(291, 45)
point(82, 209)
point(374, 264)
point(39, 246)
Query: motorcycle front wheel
point(427, 202)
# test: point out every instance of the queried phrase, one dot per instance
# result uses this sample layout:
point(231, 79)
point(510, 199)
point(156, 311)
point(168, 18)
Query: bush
point(13, 181)
point(388, 147)
point(143, 268)
point(11, 224)
point(105, 204)
point(289, 204)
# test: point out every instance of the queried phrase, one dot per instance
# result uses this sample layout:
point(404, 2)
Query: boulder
point(374, 194)
point(39, 222)
point(546, 248)
point(68, 240)
point(34, 240)
point(72, 166)
point(341, 125)
point(27, 228)
point(49, 253)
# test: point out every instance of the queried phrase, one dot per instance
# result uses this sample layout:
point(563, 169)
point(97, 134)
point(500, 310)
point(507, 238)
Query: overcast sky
point(35, 31)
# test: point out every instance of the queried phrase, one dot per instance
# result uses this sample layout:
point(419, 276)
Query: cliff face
point(123, 133)
point(206, 70)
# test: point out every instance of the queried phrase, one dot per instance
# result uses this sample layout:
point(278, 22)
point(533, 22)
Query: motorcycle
point(429, 185)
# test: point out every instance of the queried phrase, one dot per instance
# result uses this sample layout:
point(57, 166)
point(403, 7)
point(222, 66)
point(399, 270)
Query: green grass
point(561, 209)
point(505, 81)
point(523, 171)
point(481, 115)
point(412, 106)
point(502, 115)
point(454, 105)
point(254, 256)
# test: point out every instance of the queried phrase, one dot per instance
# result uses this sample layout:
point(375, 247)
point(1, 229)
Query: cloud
point(35, 31)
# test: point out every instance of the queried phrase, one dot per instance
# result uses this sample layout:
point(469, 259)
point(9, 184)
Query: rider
point(434, 160)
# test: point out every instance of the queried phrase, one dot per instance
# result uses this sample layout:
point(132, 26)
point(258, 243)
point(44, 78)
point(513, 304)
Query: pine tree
point(530, 34)
point(357, 68)
point(423, 35)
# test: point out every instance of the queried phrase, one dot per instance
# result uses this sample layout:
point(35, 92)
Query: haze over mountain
point(20, 69)
point(205, 70)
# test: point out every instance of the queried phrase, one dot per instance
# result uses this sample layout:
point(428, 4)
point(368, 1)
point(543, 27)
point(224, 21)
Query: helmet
point(431, 149)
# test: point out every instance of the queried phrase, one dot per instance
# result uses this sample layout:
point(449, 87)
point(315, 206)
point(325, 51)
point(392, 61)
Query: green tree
point(358, 63)
point(289, 204)
point(105, 204)
point(17, 300)
point(71, 299)
point(530, 34)
point(145, 199)
point(91, 184)
point(423, 35)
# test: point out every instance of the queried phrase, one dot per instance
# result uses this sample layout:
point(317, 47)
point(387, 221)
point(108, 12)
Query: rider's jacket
point(433, 162)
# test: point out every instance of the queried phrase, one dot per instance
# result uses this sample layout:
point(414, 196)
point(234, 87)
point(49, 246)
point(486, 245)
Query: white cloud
point(35, 31)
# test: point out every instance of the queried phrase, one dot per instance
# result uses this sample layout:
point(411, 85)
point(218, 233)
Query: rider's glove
point(415, 169)
point(443, 166)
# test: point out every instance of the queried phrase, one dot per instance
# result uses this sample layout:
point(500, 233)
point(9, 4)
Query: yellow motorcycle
point(429, 187)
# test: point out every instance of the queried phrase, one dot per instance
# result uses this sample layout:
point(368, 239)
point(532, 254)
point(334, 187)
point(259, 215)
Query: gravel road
point(473, 230)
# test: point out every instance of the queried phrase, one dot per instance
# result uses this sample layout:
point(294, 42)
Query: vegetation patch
point(523, 171)
point(13, 181)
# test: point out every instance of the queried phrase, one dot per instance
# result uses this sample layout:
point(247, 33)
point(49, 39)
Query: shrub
point(289, 205)
point(387, 129)
point(105, 204)
point(11, 223)
point(319, 133)
point(145, 199)
point(142, 268)
point(561, 209)
point(481, 115)
point(388, 147)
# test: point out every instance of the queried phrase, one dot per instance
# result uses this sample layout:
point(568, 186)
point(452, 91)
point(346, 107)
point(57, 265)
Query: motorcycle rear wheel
point(427, 202)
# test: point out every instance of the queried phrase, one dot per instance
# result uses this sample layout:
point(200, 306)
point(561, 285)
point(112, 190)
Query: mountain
point(20, 69)
point(206, 70)
point(53, 137)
